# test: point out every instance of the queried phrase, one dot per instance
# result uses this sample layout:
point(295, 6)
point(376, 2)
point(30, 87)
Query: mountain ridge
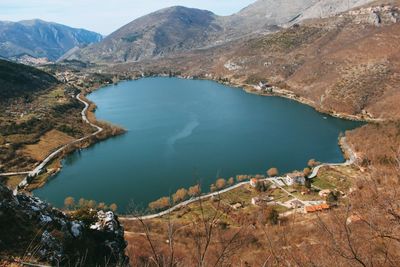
point(157, 34)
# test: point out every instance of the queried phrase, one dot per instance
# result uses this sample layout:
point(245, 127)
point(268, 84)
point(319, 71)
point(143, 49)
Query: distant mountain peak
point(42, 39)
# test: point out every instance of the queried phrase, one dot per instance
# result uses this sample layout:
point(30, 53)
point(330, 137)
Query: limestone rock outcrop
point(31, 230)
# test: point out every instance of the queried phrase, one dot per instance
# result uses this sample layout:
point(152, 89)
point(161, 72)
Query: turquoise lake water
point(183, 131)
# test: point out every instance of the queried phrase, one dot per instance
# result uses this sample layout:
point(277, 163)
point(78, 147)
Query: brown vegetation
point(160, 204)
point(272, 172)
point(180, 195)
point(71, 205)
point(194, 190)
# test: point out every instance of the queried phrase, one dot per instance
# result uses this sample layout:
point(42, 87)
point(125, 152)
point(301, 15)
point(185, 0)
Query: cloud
point(104, 16)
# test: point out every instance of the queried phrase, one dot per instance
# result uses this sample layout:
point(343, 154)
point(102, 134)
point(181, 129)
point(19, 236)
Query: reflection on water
point(185, 132)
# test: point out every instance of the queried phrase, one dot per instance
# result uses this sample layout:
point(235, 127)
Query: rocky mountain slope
point(41, 39)
point(265, 16)
point(157, 34)
point(17, 80)
point(33, 231)
point(179, 29)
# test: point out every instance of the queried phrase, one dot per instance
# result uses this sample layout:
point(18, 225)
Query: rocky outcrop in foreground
point(33, 231)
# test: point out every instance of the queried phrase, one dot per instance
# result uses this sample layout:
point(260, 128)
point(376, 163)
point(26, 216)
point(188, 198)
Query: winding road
point(39, 169)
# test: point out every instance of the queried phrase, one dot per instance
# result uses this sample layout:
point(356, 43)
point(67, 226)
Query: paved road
point(13, 173)
point(54, 154)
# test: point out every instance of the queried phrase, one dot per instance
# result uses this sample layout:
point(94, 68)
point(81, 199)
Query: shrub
point(194, 190)
point(180, 195)
point(220, 183)
point(273, 172)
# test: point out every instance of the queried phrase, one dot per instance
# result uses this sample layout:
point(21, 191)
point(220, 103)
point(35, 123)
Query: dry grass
point(49, 142)
point(338, 177)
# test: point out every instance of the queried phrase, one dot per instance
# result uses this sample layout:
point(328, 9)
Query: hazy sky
point(104, 16)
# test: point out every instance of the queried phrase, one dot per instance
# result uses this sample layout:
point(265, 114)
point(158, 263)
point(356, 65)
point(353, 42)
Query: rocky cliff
point(33, 231)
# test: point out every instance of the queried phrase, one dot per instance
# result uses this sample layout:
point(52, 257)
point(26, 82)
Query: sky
point(104, 16)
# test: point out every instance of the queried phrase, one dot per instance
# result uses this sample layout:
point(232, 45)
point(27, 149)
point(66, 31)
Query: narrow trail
point(38, 169)
point(345, 146)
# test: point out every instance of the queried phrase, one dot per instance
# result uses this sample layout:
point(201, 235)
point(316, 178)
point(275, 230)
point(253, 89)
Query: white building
point(294, 178)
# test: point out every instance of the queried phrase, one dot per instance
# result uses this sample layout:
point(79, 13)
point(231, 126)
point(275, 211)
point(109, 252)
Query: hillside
point(180, 29)
point(41, 39)
point(332, 64)
point(17, 80)
point(262, 14)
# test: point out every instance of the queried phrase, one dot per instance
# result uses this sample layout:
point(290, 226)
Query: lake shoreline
point(93, 104)
point(277, 92)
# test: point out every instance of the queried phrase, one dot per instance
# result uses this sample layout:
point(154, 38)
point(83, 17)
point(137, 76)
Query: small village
point(294, 193)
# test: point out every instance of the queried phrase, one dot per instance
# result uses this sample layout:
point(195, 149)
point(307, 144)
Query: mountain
point(178, 29)
point(17, 80)
point(41, 39)
point(157, 34)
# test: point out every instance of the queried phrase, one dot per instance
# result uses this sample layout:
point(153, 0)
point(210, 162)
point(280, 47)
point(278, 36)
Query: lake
point(183, 131)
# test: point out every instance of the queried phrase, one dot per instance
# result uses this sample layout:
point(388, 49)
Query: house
point(261, 200)
point(237, 206)
point(253, 182)
point(315, 208)
point(324, 193)
point(295, 178)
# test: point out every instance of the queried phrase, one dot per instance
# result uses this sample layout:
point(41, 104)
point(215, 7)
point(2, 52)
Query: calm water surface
point(180, 131)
